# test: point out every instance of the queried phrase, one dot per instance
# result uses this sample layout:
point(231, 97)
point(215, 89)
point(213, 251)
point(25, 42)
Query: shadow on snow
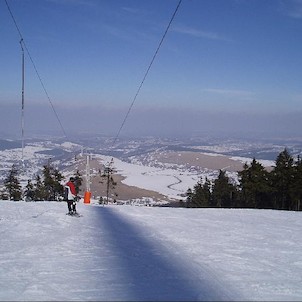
point(152, 271)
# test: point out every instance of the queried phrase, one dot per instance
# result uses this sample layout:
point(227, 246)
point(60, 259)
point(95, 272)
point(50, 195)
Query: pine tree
point(4, 194)
point(200, 196)
point(53, 189)
point(282, 178)
point(189, 196)
point(207, 186)
point(296, 193)
point(29, 191)
point(78, 181)
point(12, 184)
point(223, 191)
point(39, 189)
point(254, 184)
point(107, 177)
point(198, 199)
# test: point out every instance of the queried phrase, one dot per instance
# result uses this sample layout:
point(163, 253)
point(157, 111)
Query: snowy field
point(148, 253)
point(171, 179)
point(169, 182)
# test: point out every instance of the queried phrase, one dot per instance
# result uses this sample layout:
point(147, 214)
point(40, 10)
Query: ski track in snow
point(148, 254)
point(178, 181)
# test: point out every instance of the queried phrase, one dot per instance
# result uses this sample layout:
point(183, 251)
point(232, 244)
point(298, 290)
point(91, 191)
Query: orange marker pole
point(87, 196)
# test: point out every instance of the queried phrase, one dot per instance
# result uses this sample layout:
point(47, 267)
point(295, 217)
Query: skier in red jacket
point(71, 196)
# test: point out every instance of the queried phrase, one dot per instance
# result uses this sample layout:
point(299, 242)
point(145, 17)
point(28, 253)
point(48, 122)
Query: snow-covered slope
point(148, 253)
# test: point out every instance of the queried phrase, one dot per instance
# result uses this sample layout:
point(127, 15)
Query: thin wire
point(146, 73)
point(35, 68)
point(22, 107)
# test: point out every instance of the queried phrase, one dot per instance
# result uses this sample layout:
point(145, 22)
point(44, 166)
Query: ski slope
point(148, 253)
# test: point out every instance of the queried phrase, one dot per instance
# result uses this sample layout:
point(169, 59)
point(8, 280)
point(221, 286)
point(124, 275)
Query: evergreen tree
point(4, 194)
point(29, 191)
point(254, 184)
point(53, 189)
point(200, 197)
point(279, 189)
point(107, 177)
point(207, 186)
point(189, 196)
point(78, 181)
point(223, 191)
point(12, 184)
point(296, 193)
point(39, 189)
point(282, 178)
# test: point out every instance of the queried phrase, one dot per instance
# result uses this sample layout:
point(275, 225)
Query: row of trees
point(45, 187)
point(281, 188)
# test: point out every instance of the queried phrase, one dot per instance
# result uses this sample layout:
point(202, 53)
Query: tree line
point(46, 186)
point(280, 188)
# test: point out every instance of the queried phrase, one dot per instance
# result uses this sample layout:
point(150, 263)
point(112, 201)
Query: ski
point(74, 214)
point(77, 215)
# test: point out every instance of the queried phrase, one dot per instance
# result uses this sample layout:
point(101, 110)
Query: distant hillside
point(8, 144)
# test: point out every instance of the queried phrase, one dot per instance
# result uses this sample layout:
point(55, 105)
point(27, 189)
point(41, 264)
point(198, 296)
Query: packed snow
point(133, 253)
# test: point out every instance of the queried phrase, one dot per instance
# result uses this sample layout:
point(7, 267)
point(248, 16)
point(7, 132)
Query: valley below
point(145, 170)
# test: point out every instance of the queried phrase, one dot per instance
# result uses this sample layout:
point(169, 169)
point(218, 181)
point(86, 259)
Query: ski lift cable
point(146, 73)
point(22, 109)
point(35, 68)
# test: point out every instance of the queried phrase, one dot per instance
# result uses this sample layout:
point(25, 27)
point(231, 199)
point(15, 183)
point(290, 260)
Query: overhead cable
point(22, 110)
point(35, 68)
point(146, 73)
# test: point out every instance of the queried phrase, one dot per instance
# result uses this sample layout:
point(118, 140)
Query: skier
point(71, 196)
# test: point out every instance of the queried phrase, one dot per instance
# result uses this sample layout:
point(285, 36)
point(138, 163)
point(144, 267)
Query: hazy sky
point(225, 65)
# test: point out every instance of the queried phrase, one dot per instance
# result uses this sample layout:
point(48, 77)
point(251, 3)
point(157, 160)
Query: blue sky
point(236, 62)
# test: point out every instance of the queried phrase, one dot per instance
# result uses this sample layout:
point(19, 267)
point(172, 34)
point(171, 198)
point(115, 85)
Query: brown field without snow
point(211, 162)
